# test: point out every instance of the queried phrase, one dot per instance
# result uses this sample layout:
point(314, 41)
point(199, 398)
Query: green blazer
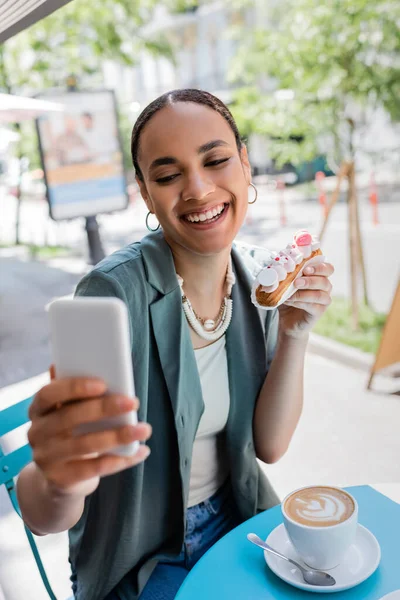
point(136, 517)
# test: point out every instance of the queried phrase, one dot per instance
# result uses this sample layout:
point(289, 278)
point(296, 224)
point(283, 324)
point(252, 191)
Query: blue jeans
point(206, 523)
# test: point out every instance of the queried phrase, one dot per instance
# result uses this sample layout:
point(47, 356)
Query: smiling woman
point(192, 170)
point(220, 383)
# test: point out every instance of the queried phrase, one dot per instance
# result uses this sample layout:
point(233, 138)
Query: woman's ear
point(246, 164)
point(144, 193)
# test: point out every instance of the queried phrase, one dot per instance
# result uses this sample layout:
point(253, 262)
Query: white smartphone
point(90, 338)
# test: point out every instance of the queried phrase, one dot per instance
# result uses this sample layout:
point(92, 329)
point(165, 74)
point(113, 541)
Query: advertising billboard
point(82, 155)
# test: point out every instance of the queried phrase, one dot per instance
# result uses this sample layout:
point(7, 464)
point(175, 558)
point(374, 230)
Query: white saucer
point(392, 596)
point(361, 560)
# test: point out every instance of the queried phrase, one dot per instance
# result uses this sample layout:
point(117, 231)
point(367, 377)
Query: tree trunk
point(351, 203)
point(358, 238)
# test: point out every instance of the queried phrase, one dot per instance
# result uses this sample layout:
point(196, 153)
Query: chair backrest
point(11, 418)
point(11, 465)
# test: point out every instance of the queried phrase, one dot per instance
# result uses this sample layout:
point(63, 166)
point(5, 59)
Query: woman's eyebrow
point(210, 145)
point(163, 160)
point(170, 160)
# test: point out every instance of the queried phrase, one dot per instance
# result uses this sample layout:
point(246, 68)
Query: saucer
point(360, 561)
point(392, 596)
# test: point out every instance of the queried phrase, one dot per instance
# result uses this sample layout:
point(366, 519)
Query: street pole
point(353, 247)
point(96, 251)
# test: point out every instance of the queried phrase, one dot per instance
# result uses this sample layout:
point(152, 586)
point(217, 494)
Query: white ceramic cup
point(321, 547)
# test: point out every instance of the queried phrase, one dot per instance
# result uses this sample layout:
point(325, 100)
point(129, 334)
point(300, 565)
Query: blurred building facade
point(204, 47)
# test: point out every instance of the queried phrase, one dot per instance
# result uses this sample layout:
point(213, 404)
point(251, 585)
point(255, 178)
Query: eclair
point(281, 270)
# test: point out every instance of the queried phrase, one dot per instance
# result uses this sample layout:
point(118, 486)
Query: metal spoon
point(309, 575)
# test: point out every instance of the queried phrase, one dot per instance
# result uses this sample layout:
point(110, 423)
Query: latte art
point(319, 506)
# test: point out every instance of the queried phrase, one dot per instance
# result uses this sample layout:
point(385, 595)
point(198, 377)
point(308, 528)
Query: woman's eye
point(167, 179)
point(215, 163)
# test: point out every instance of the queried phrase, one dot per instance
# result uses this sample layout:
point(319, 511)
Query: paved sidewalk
point(346, 436)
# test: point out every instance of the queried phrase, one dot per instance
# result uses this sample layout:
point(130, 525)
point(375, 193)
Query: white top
point(209, 461)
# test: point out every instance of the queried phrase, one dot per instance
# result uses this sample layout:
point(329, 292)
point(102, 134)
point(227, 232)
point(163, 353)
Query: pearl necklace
point(210, 329)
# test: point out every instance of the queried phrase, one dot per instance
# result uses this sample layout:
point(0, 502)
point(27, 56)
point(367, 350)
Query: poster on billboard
point(82, 155)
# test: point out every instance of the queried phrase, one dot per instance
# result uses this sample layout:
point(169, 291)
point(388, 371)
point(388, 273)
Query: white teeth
point(210, 214)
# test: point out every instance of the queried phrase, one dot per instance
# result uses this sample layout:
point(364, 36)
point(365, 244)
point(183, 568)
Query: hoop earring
point(147, 223)
point(256, 196)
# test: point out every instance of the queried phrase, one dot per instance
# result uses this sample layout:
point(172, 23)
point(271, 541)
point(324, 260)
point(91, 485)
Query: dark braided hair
point(183, 95)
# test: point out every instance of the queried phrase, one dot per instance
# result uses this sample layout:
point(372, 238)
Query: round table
point(234, 569)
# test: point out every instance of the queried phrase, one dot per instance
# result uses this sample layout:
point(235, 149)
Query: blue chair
point(12, 463)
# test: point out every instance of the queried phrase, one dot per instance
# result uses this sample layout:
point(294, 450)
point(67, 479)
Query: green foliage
point(76, 39)
point(336, 324)
point(336, 57)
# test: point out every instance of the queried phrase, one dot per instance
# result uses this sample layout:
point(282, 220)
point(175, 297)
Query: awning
point(16, 15)
point(14, 109)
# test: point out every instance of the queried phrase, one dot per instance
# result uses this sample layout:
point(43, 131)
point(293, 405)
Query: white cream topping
point(278, 265)
point(270, 288)
point(289, 263)
point(294, 253)
point(305, 251)
point(267, 276)
point(315, 245)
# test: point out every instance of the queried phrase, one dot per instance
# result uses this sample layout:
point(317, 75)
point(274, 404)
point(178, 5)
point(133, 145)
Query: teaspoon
point(309, 575)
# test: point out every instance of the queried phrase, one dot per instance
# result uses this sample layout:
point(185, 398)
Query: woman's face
point(195, 181)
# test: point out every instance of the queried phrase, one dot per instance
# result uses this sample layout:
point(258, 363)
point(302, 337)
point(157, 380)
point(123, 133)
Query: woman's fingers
point(71, 473)
point(314, 282)
point(67, 448)
point(71, 415)
point(64, 390)
point(324, 269)
point(316, 296)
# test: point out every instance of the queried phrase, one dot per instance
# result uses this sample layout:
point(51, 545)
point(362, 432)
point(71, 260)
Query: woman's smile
point(207, 218)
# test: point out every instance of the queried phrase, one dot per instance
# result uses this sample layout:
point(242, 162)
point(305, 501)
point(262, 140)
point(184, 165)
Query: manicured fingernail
point(309, 271)
point(300, 282)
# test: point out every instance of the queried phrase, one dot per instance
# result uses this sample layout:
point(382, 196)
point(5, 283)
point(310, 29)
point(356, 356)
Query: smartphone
point(90, 338)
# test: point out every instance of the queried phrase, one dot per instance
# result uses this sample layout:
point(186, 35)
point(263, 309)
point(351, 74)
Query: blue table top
point(235, 569)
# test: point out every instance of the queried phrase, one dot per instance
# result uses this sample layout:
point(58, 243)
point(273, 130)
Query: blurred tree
point(308, 75)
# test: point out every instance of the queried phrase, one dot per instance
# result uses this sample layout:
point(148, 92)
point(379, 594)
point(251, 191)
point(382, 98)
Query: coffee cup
point(321, 522)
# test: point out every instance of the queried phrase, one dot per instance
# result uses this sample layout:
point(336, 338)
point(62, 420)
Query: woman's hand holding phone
point(73, 464)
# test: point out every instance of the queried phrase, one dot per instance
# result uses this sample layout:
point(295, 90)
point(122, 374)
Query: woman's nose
point(197, 187)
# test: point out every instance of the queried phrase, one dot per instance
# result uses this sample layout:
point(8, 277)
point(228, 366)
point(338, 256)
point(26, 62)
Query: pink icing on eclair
point(303, 238)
